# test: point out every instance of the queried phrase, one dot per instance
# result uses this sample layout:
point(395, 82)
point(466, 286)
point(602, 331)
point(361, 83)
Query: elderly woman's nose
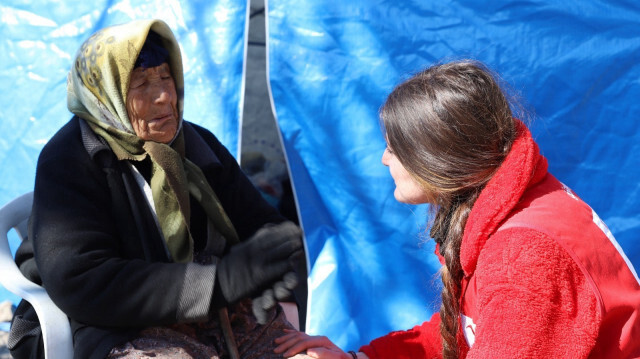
point(161, 93)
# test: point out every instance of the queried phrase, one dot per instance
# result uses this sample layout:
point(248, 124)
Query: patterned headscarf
point(97, 89)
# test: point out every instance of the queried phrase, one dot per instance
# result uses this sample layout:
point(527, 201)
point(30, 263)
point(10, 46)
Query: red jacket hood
point(523, 167)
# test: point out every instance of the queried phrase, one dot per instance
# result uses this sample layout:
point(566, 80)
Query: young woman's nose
point(385, 157)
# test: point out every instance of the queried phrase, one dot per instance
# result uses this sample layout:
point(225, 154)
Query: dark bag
point(25, 337)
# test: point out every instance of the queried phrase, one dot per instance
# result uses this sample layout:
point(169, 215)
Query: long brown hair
point(450, 126)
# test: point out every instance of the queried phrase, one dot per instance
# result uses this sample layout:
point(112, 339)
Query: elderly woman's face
point(152, 103)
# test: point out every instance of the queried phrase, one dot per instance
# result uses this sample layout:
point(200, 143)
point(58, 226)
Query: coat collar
point(523, 167)
point(197, 150)
point(92, 142)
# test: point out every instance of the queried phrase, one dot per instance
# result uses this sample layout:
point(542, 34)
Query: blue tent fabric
point(573, 65)
point(39, 43)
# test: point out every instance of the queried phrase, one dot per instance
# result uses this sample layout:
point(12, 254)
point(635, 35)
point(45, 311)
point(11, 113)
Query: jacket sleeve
point(533, 300)
point(423, 341)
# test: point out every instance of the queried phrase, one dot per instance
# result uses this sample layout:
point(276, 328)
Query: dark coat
point(98, 248)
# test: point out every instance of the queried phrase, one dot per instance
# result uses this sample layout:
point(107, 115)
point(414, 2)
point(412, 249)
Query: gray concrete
point(261, 151)
point(4, 352)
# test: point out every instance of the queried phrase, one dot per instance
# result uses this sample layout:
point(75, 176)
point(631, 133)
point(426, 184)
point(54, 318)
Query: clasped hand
point(262, 268)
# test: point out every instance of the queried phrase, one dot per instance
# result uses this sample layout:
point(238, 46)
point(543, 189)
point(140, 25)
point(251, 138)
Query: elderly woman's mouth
point(161, 119)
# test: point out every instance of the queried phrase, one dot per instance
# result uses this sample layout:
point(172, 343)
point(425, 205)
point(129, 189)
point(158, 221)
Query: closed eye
point(136, 84)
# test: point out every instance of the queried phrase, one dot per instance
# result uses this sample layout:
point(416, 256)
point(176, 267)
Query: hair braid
point(447, 230)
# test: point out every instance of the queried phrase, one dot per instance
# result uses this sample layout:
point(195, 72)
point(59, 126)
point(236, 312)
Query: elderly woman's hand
point(260, 262)
point(321, 347)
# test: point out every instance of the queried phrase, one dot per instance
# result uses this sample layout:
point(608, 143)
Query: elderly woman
point(145, 231)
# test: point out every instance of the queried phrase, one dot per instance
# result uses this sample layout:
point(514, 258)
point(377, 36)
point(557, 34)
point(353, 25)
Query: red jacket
point(544, 277)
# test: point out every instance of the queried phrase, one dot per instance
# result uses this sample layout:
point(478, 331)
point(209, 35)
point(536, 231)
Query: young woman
point(529, 270)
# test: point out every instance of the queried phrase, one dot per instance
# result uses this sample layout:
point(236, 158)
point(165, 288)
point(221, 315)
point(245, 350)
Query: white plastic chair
point(56, 330)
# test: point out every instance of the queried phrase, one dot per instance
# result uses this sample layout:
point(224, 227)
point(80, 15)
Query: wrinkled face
point(152, 103)
point(408, 190)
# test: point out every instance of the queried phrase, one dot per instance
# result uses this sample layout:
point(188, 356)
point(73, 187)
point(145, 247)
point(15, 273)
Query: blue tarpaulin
point(574, 65)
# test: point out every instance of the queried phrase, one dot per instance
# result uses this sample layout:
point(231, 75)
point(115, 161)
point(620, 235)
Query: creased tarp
point(38, 41)
point(574, 64)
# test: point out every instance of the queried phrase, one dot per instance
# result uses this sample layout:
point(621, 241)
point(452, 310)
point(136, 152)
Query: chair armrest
point(55, 326)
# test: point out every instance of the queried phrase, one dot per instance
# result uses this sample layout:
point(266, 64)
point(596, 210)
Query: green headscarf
point(97, 91)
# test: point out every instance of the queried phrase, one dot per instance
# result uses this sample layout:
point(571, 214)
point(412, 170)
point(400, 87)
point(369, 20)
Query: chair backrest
point(54, 323)
point(14, 215)
point(22, 227)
